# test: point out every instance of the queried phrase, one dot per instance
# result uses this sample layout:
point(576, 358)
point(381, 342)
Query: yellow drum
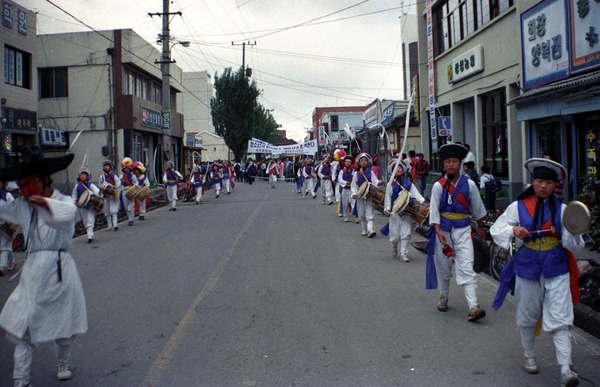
point(109, 190)
point(144, 193)
point(132, 192)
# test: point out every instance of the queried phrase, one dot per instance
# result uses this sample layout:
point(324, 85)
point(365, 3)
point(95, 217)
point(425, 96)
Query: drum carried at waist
point(144, 193)
point(109, 190)
point(90, 201)
point(371, 192)
point(418, 212)
point(132, 192)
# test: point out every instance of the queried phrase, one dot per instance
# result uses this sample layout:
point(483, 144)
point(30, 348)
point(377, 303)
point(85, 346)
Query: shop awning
point(583, 86)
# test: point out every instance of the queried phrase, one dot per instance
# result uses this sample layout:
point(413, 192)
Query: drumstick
point(551, 229)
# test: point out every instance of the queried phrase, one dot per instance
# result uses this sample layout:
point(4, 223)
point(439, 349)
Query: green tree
point(237, 116)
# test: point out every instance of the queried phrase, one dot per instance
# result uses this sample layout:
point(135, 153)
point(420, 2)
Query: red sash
point(459, 196)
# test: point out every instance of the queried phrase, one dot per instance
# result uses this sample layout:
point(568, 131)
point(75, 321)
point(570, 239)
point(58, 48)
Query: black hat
point(449, 151)
point(34, 163)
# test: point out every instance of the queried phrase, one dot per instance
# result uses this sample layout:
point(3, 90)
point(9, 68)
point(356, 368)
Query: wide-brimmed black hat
point(33, 163)
point(449, 151)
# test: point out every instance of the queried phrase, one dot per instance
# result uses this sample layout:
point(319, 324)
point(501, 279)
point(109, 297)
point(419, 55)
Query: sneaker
point(141, 217)
point(346, 219)
point(90, 239)
point(63, 372)
point(330, 203)
point(363, 233)
point(217, 196)
point(357, 220)
point(530, 365)
point(404, 258)
point(395, 250)
point(442, 305)
point(174, 209)
point(314, 196)
point(116, 229)
point(130, 223)
point(1, 272)
point(340, 215)
point(372, 234)
point(476, 313)
point(569, 379)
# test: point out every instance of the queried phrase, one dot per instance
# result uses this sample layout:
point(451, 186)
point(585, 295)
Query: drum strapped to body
point(401, 201)
point(84, 199)
point(144, 193)
point(416, 211)
point(376, 195)
point(132, 192)
point(109, 190)
point(96, 203)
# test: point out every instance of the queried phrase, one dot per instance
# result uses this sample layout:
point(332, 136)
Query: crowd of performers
point(542, 274)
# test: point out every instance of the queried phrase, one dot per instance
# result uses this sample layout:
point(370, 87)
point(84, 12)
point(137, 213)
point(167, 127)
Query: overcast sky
point(308, 53)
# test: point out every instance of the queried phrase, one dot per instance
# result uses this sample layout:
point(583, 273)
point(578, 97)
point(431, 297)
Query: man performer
point(309, 177)
point(364, 206)
point(128, 181)
point(324, 173)
point(48, 304)
point(87, 214)
point(345, 183)
point(454, 199)
point(110, 184)
point(171, 179)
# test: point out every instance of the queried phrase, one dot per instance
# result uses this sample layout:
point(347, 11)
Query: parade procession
point(310, 194)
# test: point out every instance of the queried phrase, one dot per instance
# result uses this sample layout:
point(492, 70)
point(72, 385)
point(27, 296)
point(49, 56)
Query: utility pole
point(247, 70)
point(165, 63)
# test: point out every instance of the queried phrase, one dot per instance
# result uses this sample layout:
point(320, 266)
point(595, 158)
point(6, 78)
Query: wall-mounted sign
point(7, 14)
point(544, 44)
point(445, 126)
point(387, 116)
point(151, 118)
point(466, 65)
point(17, 119)
point(54, 137)
point(585, 34)
point(22, 22)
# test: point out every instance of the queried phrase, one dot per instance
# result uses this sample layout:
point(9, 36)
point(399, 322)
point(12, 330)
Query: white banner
point(260, 146)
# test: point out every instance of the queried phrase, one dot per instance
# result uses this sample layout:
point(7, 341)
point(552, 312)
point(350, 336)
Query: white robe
point(49, 308)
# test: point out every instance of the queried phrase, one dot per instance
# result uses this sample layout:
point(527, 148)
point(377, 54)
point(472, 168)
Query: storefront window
point(495, 139)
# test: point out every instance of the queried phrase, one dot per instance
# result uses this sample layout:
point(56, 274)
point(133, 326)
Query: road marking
point(166, 355)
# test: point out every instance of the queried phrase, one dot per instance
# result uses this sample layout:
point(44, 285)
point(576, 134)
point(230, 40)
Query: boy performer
point(48, 304)
point(88, 215)
point(128, 180)
point(543, 272)
point(454, 198)
point(197, 180)
point(364, 206)
point(272, 172)
point(110, 184)
point(215, 179)
point(171, 178)
point(309, 177)
point(400, 224)
point(226, 177)
point(139, 170)
point(7, 258)
point(345, 183)
point(324, 172)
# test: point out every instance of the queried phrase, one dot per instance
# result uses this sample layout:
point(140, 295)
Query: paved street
point(265, 288)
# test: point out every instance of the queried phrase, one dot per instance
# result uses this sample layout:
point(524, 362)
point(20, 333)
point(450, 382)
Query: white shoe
point(372, 234)
point(345, 219)
point(63, 372)
point(569, 379)
point(530, 365)
point(363, 233)
point(404, 258)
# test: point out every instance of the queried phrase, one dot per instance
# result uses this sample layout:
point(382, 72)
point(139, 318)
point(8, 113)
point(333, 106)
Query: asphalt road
point(264, 288)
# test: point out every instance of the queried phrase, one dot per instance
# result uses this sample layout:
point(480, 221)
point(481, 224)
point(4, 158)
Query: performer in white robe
point(48, 304)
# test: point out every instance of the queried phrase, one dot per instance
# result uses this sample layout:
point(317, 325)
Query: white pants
point(23, 355)
point(172, 195)
point(88, 218)
point(142, 206)
point(460, 241)
point(272, 180)
point(129, 207)
point(310, 186)
point(346, 198)
point(111, 211)
point(327, 190)
point(7, 257)
point(366, 213)
point(226, 185)
point(198, 193)
point(400, 231)
point(217, 188)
